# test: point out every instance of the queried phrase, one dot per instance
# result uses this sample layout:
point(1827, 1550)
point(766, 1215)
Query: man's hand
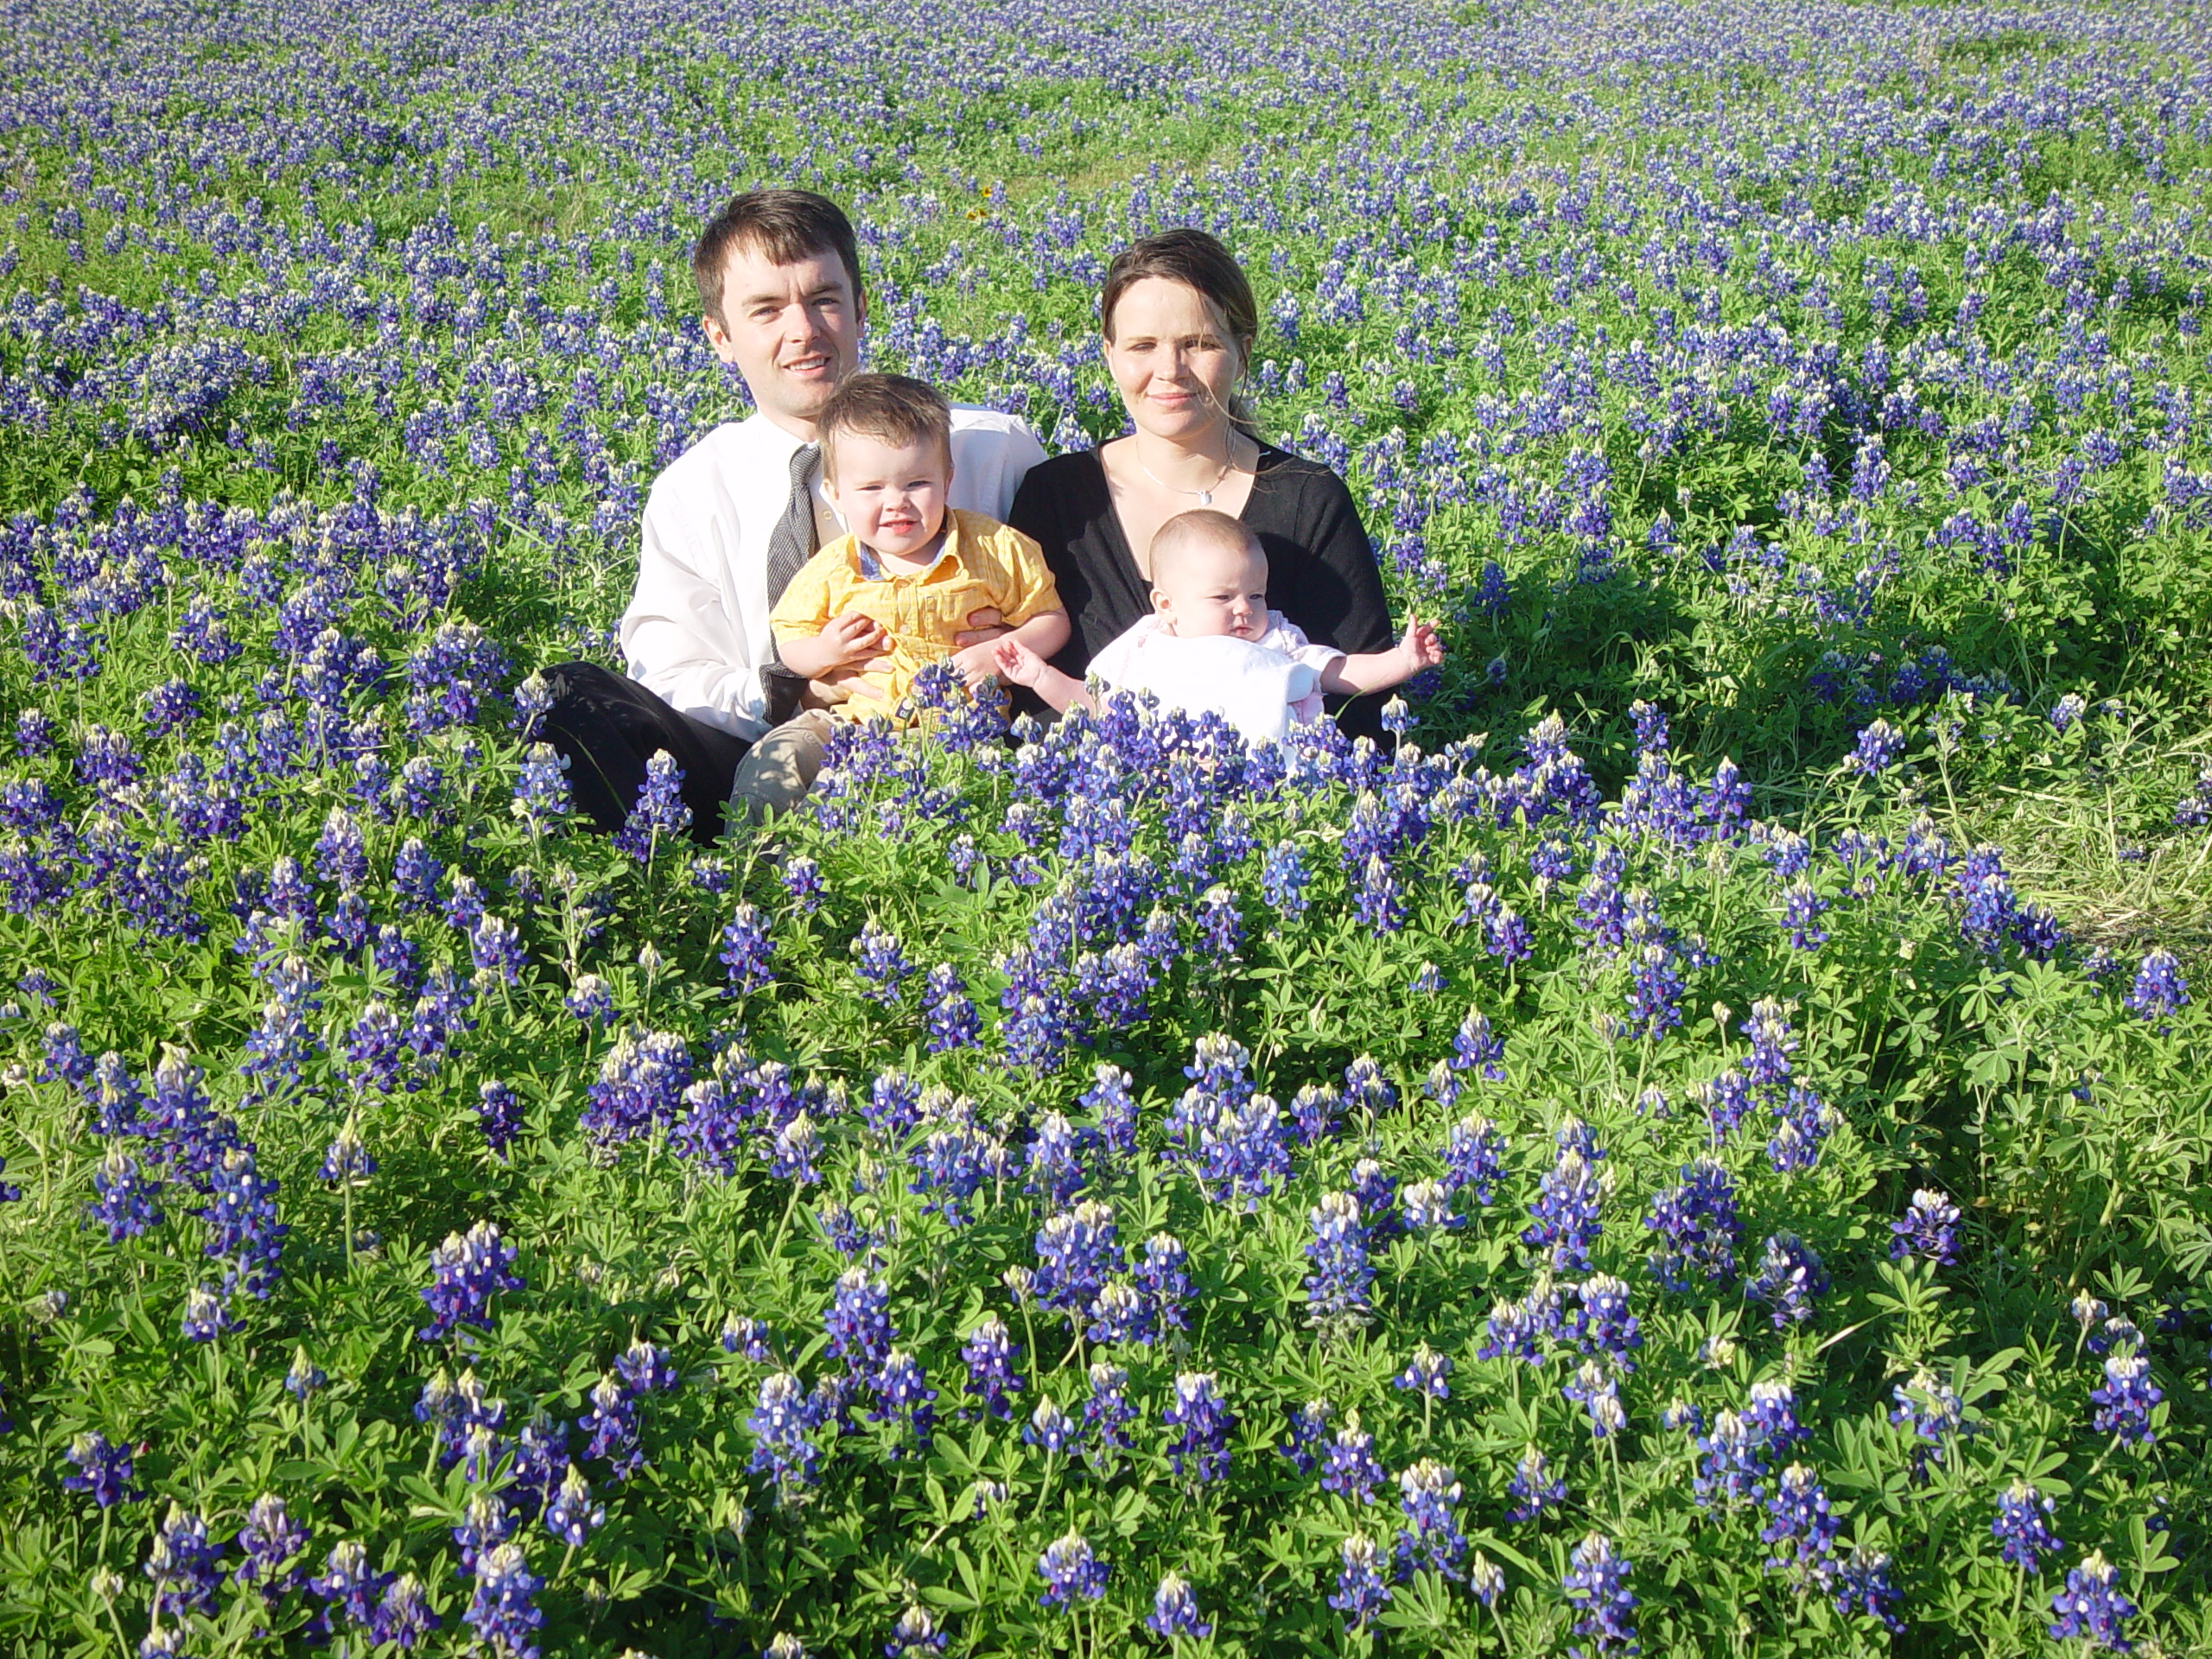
point(983, 626)
point(1014, 662)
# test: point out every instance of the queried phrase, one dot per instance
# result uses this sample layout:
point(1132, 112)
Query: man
point(734, 517)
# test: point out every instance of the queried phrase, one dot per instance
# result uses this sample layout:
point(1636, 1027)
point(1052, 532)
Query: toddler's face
point(1214, 593)
point(891, 495)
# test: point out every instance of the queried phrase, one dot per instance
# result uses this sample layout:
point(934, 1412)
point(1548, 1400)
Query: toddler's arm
point(1378, 671)
point(1042, 635)
point(1017, 664)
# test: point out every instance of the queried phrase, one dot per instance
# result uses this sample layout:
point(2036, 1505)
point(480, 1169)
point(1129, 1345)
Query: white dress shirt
point(695, 633)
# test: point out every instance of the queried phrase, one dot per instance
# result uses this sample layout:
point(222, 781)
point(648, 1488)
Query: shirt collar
point(871, 568)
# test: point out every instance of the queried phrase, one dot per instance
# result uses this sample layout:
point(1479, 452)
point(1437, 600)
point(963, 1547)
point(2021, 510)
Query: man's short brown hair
point(788, 226)
point(896, 407)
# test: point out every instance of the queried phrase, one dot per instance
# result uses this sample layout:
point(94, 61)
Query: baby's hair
point(1201, 527)
point(895, 408)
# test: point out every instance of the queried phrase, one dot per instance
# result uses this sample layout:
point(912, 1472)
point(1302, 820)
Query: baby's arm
point(1043, 634)
point(846, 640)
point(1378, 671)
point(1018, 664)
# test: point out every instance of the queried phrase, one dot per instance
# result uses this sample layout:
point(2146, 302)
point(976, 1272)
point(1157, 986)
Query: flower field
point(1701, 1147)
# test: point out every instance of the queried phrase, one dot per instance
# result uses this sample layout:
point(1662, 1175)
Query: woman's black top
point(1321, 569)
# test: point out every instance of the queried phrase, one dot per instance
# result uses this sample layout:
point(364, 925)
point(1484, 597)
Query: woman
point(1180, 325)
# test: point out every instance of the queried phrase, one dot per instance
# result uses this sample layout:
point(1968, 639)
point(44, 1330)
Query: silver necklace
point(1205, 496)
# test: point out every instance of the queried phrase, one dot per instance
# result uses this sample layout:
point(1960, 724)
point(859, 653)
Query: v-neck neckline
point(1119, 532)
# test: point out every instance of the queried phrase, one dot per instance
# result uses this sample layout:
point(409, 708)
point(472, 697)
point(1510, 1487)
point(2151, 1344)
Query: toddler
point(878, 604)
point(1211, 643)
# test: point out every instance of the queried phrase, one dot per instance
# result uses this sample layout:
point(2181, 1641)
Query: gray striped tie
point(792, 543)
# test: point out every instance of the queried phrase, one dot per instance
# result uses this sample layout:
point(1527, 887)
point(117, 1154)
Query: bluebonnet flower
point(243, 1231)
point(1220, 928)
point(1076, 1252)
point(1427, 1206)
point(2023, 1527)
point(1427, 1374)
point(859, 1322)
point(346, 1162)
point(1113, 1108)
point(1535, 1491)
point(1314, 1113)
point(1474, 1157)
point(746, 950)
point(1594, 1388)
point(499, 1113)
point(1054, 1170)
point(1607, 1327)
point(1732, 1461)
point(206, 1316)
point(1862, 1584)
point(1566, 1213)
point(486, 1523)
point(1361, 1592)
point(1800, 1530)
point(1200, 1449)
point(1791, 1279)
point(467, 1272)
point(350, 1587)
point(1929, 1229)
point(1802, 909)
point(1804, 1120)
point(949, 1169)
point(2159, 988)
point(1336, 1290)
point(1071, 1572)
point(1878, 747)
point(1050, 1429)
point(612, 1428)
point(916, 1632)
point(1935, 1415)
point(782, 1425)
point(2125, 1399)
point(304, 1378)
point(1348, 1465)
point(751, 1337)
point(572, 1517)
point(1511, 1332)
point(1597, 1589)
point(904, 1395)
point(880, 963)
point(502, 1611)
point(185, 1568)
point(2091, 1606)
point(271, 1542)
point(1772, 1414)
point(101, 1469)
point(1175, 1611)
point(1308, 1426)
point(660, 813)
point(1107, 1414)
point(644, 1368)
point(129, 1202)
point(403, 1616)
point(1162, 1273)
point(1429, 1494)
point(1283, 880)
point(801, 880)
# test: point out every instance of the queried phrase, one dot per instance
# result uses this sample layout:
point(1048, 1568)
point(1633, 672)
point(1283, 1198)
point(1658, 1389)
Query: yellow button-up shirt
point(980, 563)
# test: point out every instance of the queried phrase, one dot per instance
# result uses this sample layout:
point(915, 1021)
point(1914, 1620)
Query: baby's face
point(890, 495)
point(1215, 592)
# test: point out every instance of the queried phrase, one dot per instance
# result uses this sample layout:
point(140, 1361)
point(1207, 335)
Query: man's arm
point(679, 636)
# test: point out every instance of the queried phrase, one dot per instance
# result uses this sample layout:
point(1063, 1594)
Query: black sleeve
point(1341, 585)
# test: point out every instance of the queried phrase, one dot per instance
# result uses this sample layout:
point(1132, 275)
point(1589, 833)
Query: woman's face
point(1171, 358)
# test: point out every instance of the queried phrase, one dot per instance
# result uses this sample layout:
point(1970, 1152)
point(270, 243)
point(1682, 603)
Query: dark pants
point(609, 726)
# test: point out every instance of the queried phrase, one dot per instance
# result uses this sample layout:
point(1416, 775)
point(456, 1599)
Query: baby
point(1211, 643)
point(875, 606)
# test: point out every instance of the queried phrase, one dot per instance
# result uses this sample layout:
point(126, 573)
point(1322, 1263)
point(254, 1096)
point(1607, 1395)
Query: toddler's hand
point(976, 665)
point(1015, 662)
point(852, 638)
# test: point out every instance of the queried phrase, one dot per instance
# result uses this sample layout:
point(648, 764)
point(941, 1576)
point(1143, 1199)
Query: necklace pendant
point(1205, 497)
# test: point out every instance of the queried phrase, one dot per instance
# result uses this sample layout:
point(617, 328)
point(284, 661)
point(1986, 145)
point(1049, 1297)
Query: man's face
point(792, 331)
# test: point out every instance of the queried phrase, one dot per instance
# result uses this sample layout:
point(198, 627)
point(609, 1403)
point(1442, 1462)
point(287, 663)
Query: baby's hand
point(976, 664)
point(1015, 662)
point(1420, 647)
point(852, 638)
